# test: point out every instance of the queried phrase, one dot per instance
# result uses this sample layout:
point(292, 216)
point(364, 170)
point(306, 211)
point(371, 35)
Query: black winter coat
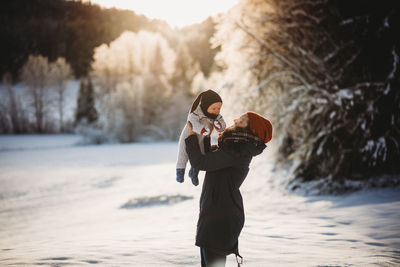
point(221, 217)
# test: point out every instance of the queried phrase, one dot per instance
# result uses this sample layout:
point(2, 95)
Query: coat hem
point(220, 251)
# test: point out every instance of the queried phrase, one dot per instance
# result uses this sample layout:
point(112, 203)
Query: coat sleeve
point(210, 161)
point(207, 144)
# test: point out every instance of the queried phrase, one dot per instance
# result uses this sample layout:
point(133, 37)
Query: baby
point(204, 116)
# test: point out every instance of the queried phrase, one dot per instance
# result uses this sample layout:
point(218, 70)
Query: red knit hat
point(260, 126)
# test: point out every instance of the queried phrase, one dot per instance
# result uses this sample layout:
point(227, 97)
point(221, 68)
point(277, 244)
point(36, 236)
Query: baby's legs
point(182, 154)
point(183, 158)
point(193, 172)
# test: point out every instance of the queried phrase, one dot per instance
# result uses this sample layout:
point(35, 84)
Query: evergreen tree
point(185, 69)
point(59, 28)
point(86, 103)
point(197, 38)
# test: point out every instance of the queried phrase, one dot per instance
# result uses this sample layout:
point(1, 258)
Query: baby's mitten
point(180, 175)
point(193, 174)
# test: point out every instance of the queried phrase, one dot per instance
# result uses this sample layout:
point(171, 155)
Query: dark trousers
point(211, 259)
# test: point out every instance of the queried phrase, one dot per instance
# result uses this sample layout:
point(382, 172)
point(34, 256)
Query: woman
point(221, 217)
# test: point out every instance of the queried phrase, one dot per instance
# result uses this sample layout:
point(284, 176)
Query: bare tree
point(5, 122)
point(35, 75)
point(12, 109)
point(60, 72)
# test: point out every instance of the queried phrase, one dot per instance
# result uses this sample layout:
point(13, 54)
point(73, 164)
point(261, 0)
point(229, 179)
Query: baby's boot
point(180, 173)
point(193, 174)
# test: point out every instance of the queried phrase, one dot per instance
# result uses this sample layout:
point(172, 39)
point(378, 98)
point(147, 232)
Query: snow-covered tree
point(133, 90)
point(308, 66)
point(36, 75)
point(185, 69)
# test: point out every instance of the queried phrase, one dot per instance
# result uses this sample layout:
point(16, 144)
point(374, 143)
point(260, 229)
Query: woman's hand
point(190, 128)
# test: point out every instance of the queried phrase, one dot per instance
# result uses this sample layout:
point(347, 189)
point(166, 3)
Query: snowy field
point(119, 205)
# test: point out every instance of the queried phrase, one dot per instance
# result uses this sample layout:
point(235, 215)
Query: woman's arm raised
point(211, 161)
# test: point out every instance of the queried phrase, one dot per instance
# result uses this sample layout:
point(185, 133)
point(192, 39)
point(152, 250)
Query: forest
point(325, 72)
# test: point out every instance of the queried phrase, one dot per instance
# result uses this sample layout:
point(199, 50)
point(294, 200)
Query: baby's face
point(215, 108)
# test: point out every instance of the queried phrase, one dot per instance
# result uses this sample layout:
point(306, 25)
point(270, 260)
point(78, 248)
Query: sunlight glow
point(177, 13)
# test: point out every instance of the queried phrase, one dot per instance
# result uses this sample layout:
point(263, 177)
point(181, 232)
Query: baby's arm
point(219, 123)
point(197, 127)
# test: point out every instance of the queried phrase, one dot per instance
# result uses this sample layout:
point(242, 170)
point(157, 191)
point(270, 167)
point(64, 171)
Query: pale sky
point(176, 12)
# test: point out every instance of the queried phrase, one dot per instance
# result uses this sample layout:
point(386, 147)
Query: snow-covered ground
point(119, 205)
